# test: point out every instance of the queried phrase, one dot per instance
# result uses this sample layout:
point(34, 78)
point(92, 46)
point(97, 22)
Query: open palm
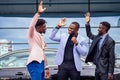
point(40, 8)
point(87, 16)
point(62, 22)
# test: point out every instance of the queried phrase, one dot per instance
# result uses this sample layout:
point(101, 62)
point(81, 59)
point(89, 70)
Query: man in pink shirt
point(37, 58)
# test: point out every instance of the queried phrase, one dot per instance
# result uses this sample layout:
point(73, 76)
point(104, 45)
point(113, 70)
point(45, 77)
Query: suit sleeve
point(88, 32)
point(111, 57)
point(81, 48)
point(54, 36)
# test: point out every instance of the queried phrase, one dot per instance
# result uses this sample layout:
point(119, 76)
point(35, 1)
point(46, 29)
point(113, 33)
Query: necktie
point(97, 51)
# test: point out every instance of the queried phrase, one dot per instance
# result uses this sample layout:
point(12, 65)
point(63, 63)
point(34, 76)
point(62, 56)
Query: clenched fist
point(74, 40)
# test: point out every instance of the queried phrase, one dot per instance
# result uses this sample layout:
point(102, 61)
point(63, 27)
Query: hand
point(61, 22)
point(110, 76)
point(87, 16)
point(40, 8)
point(74, 40)
point(47, 72)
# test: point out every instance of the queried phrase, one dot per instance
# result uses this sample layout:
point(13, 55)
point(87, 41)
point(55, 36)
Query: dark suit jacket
point(106, 53)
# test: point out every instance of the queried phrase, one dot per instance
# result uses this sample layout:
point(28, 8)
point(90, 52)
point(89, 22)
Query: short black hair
point(40, 22)
point(76, 24)
point(106, 24)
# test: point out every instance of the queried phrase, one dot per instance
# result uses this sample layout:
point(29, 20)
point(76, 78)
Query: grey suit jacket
point(106, 53)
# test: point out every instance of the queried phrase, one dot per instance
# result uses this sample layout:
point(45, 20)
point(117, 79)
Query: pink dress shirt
point(36, 43)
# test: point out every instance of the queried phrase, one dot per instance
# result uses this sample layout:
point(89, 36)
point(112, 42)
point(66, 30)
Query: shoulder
point(64, 35)
point(110, 39)
point(81, 38)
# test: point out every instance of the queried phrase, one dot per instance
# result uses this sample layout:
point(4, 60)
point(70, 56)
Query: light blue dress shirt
point(78, 51)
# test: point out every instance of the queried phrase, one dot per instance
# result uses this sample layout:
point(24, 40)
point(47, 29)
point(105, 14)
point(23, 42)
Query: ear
point(38, 29)
point(77, 28)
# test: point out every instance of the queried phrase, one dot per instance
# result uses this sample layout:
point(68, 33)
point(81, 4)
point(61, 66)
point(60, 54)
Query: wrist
point(39, 13)
point(57, 27)
point(87, 23)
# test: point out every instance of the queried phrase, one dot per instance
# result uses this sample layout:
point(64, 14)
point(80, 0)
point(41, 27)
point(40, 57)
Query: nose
point(69, 29)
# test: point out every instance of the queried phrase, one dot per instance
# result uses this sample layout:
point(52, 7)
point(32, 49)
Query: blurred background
point(16, 15)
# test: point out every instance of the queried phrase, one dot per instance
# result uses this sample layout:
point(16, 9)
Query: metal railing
point(24, 43)
point(14, 28)
point(53, 43)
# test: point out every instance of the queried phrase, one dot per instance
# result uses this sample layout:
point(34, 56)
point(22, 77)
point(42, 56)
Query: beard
point(100, 33)
point(43, 32)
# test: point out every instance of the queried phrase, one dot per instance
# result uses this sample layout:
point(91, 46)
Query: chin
point(44, 32)
point(99, 34)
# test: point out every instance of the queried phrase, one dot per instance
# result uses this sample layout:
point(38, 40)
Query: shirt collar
point(103, 36)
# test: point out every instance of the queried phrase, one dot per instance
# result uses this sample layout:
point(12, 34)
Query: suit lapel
point(65, 38)
point(103, 43)
point(78, 38)
point(94, 43)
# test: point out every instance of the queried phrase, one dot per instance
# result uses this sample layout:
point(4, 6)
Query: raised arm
point(35, 19)
point(61, 23)
point(53, 35)
point(87, 17)
point(88, 28)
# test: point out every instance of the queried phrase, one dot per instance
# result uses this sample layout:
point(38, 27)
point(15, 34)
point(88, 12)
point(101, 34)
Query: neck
point(74, 34)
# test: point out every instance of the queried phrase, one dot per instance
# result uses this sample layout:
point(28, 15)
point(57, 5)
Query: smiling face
point(102, 30)
point(73, 29)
